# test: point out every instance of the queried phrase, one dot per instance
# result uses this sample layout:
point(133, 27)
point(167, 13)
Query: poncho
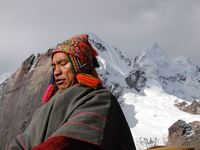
point(82, 113)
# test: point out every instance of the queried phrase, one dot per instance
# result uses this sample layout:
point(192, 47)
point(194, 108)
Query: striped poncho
point(81, 113)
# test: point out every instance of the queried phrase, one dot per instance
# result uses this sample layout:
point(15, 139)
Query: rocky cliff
point(21, 94)
point(182, 133)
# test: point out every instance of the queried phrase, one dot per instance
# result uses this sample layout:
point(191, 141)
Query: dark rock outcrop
point(193, 108)
point(100, 46)
point(115, 88)
point(136, 79)
point(21, 94)
point(183, 134)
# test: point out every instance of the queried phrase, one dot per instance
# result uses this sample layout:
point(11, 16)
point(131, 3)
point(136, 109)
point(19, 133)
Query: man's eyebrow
point(59, 61)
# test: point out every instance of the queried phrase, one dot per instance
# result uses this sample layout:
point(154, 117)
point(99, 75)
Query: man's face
point(62, 70)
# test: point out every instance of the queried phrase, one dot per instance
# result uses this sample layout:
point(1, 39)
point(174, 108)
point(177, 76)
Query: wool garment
point(82, 113)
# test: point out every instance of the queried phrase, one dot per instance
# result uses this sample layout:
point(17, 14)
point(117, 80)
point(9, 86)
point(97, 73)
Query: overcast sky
point(33, 26)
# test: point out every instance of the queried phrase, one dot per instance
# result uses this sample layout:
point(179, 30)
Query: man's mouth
point(59, 81)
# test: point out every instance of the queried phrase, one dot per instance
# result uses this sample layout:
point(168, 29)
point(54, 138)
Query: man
point(78, 112)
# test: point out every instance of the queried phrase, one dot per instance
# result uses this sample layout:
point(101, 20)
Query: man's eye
point(63, 63)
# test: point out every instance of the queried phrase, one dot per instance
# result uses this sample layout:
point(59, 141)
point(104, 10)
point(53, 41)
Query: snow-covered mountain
point(148, 87)
point(114, 65)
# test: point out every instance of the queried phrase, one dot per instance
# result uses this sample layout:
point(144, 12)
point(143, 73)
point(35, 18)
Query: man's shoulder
point(85, 92)
point(99, 90)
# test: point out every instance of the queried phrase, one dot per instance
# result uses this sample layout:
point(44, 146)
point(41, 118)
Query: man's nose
point(57, 71)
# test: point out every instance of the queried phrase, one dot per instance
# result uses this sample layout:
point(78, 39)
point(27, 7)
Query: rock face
point(21, 94)
point(181, 133)
point(136, 78)
point(193, 108)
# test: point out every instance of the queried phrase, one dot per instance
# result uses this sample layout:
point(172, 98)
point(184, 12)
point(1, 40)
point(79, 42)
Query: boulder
point(185, 134)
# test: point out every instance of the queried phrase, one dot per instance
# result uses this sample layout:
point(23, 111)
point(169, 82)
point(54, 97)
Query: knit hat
point(82, 56)
point(80, 53)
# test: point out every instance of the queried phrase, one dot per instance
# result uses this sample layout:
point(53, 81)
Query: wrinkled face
point(62, 70)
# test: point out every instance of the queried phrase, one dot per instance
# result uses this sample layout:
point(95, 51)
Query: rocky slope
point(20, 95)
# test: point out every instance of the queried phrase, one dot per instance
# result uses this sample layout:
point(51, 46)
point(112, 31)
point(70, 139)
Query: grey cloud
point(34, 26)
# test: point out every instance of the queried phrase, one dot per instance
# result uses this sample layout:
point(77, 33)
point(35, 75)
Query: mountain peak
point(155, 45)
point(155, 51)
point(153, 56)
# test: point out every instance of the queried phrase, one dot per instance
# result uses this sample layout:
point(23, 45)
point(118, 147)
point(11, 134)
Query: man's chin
point(62, 87)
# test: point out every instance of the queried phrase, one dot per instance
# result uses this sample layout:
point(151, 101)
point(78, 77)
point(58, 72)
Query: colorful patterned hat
point(82, 56)
point(80, 53)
